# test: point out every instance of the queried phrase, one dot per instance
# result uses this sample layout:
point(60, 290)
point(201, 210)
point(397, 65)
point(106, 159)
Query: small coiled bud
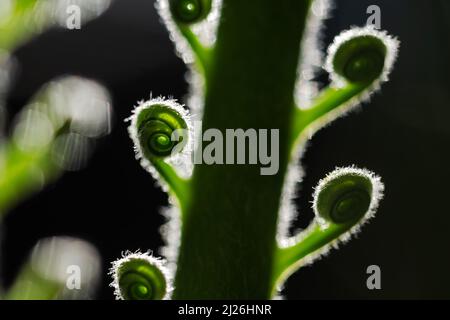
point(347, 195)
point(361, 55)
point(189, 11)
point(139, 276)
point(154, 125)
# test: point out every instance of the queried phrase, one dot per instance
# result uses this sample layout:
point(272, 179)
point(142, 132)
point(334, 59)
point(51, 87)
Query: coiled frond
point(343, 202)
point(358, 61)
point(344, 196)
point(155, 123)
point(192, 25)
point(160, 130)
point(190, 11)
point(361, 55)
point(140, 276)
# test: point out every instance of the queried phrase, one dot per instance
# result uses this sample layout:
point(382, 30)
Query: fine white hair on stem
point(288, 211)
point(311, 55)
point(147, 257)
point(311, 60)
point(171, 234)
point(180, 161)
point(391, 44)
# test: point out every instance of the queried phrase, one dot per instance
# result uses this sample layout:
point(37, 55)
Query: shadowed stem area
point(229, 227)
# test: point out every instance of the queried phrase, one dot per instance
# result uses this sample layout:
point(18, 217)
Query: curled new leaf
point(361, 55)
point(346, 195)
point(157, 128)
point(343, 201)
point(189, 11)
point(139, 276)
point(160, 130)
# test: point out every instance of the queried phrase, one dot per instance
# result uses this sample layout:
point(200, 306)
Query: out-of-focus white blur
point(89, 9)
point(85, 102)
point(66, 117)
point(33, 130)
point(71, 151)
point(6, 7)
point(56, 258)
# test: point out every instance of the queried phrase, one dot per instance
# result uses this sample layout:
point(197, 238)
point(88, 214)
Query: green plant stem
point(203, 54)
point(228, 231)
point(288, 260)
point(327, 101)
point(178, 186)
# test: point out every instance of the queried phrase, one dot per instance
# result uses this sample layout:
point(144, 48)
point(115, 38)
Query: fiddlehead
point(358, 61)
point(189, 11)
point(343, 201)
point(156, 125)
point(190, 29)
point(343, 197)
point(139, 276)
point(160, 131)
point(361, 55)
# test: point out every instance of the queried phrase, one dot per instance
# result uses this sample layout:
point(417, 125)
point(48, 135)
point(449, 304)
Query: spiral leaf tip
point(347, 195)
point(140, 276)
point(154, 126)
point(361, 55)
point(190, 11)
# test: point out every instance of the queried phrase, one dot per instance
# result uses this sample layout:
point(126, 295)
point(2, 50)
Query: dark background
point(403, 134)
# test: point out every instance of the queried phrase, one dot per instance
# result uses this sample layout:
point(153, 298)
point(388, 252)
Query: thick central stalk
point(229, 228)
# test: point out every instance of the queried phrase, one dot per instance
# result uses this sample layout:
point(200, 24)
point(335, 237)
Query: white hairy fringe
point(171, 234)
point(377, 189)
point(392, 45)
point(311, 60)
point(377, 195)
point(311, 56)
point(181, 161)
point(287, 211)
point(206, 32)
point(147, 256)
point(390, 42)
